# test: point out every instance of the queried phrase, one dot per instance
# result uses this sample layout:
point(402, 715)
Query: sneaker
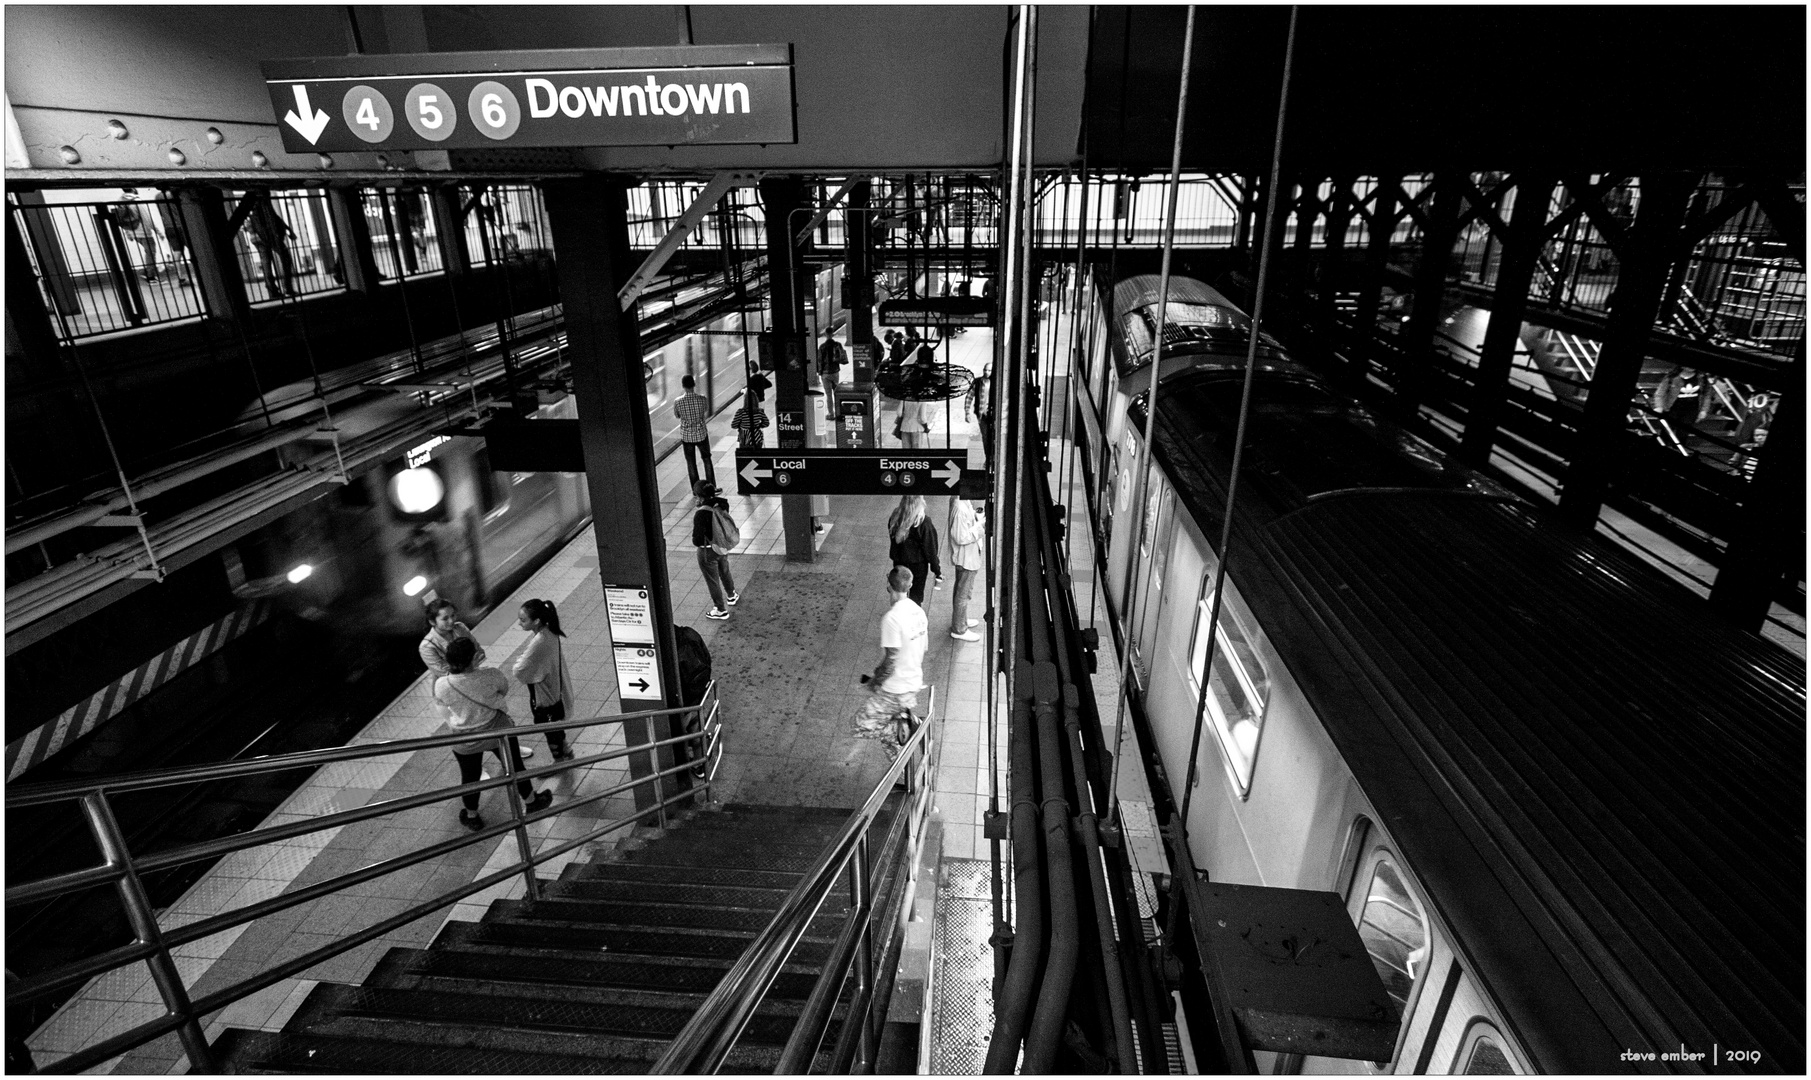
point(527, 752)
point(716, 613)
point(542, 800)
point(471, 820)
point(974, 623)
point(564, 755)
point(733, 597)
point(968, 635)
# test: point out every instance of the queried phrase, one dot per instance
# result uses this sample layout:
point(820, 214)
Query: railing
point(154, 944)
point(107, 266)
point(285, 245)
point(704, 1042)
point(405, 234)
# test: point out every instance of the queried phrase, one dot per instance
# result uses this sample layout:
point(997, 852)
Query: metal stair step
point(677, 915)
point(745, 857)
point(282, 1053)
point(707, 844)
point(663, 892)
point(679, 877)
point(541, 977)
point(639, 940)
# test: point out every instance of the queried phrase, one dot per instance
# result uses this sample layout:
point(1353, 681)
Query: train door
point(1153, 562)
point(1393, 923)
point(1116, 522)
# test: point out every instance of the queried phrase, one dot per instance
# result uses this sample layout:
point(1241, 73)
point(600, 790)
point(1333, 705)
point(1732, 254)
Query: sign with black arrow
point(827, 471)
point(637, 673)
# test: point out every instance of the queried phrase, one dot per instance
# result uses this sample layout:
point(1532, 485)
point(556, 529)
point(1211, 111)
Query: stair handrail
point(707, 1038)
point(153, 945)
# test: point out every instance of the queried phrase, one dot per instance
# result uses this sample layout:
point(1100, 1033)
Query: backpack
point(694, 664)
point(724, 533)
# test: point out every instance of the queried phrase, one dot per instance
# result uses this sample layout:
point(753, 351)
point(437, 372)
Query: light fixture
point(414, 585)
point(300, 574)
point(417, 491)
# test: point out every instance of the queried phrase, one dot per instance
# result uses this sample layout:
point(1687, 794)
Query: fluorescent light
point(300, 574)
point(414, 585)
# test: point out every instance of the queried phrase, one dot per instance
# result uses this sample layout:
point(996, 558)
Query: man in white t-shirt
point(904, 633)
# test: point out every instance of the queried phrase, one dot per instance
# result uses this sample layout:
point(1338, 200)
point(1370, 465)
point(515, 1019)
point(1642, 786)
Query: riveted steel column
point(1430, 287)
point(589, 220)
point(1646, 261)
point(211, 243)
point(779, 198)
point(354, 238)
point(1521, 252)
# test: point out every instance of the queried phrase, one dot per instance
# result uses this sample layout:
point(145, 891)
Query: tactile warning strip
point(962, 1007)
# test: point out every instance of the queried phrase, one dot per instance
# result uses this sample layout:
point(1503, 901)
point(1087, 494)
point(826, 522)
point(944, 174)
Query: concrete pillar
point(589, 221)
point(1647, 258)
point(451, 226)
point(1515, 271)
point(354, 238)
point(786, 274)
point(216, 265)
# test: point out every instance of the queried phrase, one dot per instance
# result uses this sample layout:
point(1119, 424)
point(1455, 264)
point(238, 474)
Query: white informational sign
point(631, 615)
point(638, 673)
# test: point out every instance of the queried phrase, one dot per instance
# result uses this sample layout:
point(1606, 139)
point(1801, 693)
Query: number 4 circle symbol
point(494, 109)
point(430, 111)
point(368, 114)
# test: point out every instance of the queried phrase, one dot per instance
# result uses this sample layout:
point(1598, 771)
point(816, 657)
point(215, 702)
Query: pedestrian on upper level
point(542, 668)
point(893, 688)
point(472, 700)
point(714, 533)
point(914, 543)
point(966, 531)
point(831, 356)
point(692, 411)
point(748, 422)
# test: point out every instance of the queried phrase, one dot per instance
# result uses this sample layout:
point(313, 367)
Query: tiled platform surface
point(780, 747)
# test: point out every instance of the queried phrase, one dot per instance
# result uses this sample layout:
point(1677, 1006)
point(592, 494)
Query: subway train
point(1565, 806)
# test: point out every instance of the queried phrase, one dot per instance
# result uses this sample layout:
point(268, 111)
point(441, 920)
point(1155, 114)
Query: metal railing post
point(144, 927)
point(862, 902)
point(507, 745)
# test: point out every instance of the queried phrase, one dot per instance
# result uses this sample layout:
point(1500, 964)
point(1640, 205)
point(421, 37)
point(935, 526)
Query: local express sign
point(694, 94)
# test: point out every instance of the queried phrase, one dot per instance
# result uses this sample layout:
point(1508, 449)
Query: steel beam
point(657, 259)
point(1522, 244)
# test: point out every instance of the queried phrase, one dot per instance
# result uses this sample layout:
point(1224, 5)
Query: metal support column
point(1333, 270)
point(589, 220)
point(1646, 261)
point(858, 226)
point(1381, 228)
point(27, 319)
point(1769, 531)
point(1430, 288)
point(1515, 272)
point(449, 224)
point(354, 238)
point(211, 242)
point(780, 197)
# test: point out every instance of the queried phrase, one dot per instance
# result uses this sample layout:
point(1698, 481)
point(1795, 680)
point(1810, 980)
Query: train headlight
point(414, 585)
point(417, 491)
point(300, 574)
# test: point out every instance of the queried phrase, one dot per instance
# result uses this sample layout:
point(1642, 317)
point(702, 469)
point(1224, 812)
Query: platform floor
point(787, 661)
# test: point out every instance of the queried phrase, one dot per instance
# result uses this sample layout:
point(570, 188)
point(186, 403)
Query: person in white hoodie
point(472, 702)
point(966, 532)
point(542, 668)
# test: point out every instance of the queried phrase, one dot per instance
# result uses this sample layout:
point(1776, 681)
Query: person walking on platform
point(830, 360)
point(894, 686)
point(692, 411)
point(542, 668)
point(748, 422)
point(979, 405)
point(471, 699)
point(714, 533)
point(914, 543)
point(966, 533)
point(444, 628)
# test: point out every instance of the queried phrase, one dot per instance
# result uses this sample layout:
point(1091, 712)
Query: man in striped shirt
point(692, 411)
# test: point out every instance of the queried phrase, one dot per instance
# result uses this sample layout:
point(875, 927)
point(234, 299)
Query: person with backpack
point(714, 534)
point(831, 356)
point(748, 422)
point(914, 544)
point(694, 680)
point(542, 668)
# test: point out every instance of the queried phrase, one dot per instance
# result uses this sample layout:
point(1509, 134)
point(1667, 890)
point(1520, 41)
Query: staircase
point(595, 977)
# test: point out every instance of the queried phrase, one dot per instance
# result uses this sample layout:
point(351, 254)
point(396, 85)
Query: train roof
point(1600, 787)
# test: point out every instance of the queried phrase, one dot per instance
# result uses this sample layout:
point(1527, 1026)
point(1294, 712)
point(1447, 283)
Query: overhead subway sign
point(682, 95)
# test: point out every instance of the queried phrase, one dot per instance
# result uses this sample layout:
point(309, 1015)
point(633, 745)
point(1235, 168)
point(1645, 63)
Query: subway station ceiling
point(178, 89)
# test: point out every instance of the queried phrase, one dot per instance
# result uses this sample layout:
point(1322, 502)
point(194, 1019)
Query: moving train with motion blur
point(1565, 806)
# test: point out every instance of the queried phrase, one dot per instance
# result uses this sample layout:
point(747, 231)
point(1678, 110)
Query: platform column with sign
point(589, 218)
point(780, 196)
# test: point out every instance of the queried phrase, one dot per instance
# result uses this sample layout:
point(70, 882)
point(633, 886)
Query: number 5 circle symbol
point(430, 111)
point(368, 114)
point(494, 109)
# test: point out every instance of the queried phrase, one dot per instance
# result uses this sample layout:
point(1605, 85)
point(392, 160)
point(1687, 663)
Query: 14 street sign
point(849, 472)
point(680, 95)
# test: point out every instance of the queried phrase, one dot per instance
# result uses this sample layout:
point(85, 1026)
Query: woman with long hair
point(914, 543)
point(542, 668)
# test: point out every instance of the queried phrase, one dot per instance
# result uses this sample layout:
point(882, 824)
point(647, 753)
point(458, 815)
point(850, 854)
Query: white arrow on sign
point(952, 475)
point(753, 474)
point(311, 123)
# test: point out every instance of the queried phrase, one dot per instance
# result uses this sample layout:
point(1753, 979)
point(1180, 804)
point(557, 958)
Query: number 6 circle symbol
point(430, 111)
point(494, 109)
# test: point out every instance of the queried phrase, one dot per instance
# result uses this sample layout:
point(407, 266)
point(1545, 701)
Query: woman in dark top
point(914, 543)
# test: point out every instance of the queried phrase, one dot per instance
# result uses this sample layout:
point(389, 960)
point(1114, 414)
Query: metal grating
point(962, 1007)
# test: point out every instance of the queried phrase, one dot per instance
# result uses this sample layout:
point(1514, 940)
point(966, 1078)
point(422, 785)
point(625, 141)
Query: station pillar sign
point(685, 95)
point(855, 410)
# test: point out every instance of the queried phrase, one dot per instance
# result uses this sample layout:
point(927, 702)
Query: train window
point(1394, 932)
point(1481, 1053)
point(1240, 684)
